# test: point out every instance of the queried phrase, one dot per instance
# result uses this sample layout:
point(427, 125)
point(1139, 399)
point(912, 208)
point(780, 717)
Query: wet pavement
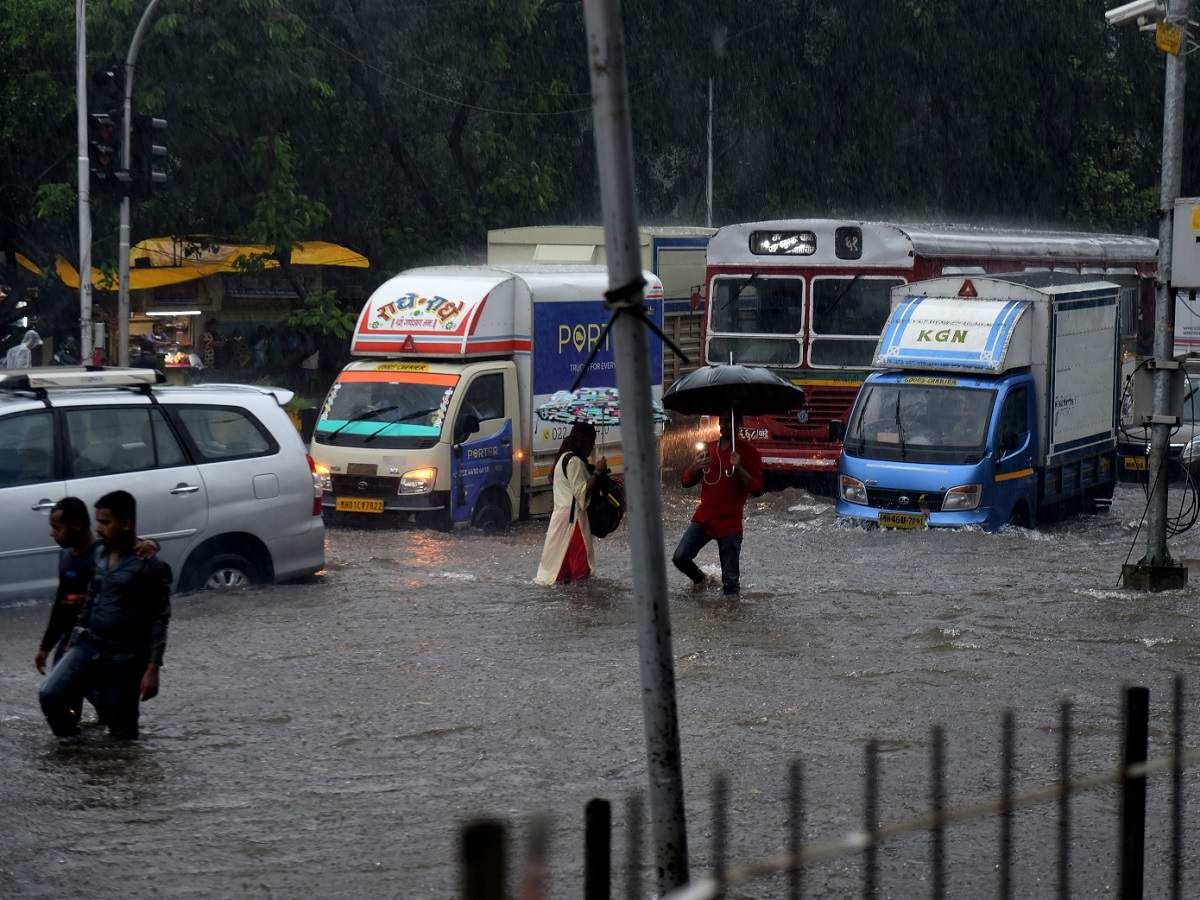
point(327, 739)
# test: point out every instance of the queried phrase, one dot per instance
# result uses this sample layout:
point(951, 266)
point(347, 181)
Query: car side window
point(168, 453)
point(1014, 418)
point(108, 441)
point(26, 449)
point(485, 397)
point(224, 432)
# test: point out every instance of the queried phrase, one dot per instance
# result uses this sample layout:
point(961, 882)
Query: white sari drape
point(572, 486)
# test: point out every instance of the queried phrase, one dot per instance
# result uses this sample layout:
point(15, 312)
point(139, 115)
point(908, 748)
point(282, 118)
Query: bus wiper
point(899, 426)
point(361, 417)
point(384, 427)
point(741, 287)
point(844, 291)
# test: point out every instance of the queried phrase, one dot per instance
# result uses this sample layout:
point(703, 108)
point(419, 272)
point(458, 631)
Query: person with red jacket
point(726, 477)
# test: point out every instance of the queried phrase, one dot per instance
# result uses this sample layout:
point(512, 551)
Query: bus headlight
point(418, 481)
point(853, 490)
point(962, 498)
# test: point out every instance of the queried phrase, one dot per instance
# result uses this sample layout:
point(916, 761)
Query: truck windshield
point(756, 305)
point(921, 423)
point(385, 410)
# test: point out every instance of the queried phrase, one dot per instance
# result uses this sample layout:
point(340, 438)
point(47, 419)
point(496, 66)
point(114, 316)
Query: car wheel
point(226, 572)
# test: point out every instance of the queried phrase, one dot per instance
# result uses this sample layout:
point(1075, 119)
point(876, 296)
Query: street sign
point(1168, 37)
point(1185, 244)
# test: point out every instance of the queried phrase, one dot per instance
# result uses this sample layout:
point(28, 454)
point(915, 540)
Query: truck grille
point(911, 501)
point(373, 485)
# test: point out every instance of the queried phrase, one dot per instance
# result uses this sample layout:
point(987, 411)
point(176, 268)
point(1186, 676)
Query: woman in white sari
point(567, 554)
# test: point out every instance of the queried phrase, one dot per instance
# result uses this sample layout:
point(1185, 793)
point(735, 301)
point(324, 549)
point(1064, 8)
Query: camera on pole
point(149, 158)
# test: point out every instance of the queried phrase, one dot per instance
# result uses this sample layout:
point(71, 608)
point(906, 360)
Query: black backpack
point(606, 505)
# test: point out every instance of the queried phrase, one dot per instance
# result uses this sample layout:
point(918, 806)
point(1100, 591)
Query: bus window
point(757, 305)
point(847, 318)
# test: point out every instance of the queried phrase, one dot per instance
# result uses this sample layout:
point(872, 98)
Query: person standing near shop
point(117, 648)
point(727, 477)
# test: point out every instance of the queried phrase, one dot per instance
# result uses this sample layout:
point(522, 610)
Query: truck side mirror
point(1010, 441)
point(837, 430)
point(468, 424)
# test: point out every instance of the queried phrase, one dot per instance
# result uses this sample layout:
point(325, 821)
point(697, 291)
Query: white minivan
point(221, 478)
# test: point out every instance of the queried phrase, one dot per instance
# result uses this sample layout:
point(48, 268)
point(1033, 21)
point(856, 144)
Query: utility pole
point(126, 164)
point(84, 172)
point(1157, 571)
point(614, 159)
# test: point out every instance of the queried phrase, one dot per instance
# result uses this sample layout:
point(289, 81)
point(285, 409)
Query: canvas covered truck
point(435, 418)
point(997, 404)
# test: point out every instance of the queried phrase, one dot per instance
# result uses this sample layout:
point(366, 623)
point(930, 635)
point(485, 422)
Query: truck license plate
point(358, 504)
point(1137, 463)
point(901, 520)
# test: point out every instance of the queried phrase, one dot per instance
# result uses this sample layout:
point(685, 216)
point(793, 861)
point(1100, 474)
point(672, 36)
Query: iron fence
point(483, 842)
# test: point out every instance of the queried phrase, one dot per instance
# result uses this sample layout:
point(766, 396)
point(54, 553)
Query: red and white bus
point(809, 297)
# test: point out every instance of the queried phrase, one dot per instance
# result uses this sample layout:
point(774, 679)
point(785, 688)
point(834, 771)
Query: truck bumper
point(867, 515)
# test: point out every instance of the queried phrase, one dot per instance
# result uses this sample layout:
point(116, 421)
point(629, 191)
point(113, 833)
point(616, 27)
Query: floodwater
point(329, 739)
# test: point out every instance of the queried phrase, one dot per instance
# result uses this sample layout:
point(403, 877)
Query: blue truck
point(996, 404)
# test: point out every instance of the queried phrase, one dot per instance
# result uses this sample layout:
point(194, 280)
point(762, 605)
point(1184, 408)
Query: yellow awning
point(167, 265)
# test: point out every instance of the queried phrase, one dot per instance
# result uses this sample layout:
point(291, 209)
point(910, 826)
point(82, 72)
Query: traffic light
point(148, 157)
point(104, 148)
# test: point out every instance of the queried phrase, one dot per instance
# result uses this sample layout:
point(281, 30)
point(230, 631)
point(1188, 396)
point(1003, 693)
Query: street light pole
point(1157, 570)
point(126, 162)
point(614, 163)
point(84, 173)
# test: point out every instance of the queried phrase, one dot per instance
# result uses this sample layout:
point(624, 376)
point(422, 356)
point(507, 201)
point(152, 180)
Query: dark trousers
point(729, 548)
point(112, 681)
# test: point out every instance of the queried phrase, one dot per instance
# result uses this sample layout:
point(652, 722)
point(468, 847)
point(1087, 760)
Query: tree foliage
point(407, 128)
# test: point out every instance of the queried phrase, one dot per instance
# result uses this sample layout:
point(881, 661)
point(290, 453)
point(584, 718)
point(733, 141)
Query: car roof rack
point(41, 381)
point(50, 377)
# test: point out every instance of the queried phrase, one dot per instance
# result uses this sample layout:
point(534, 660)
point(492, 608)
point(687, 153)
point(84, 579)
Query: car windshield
point(921, 422)
point(385, 409)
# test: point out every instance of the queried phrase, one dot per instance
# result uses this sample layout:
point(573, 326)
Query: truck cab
point(941, 450)
point(435, 440)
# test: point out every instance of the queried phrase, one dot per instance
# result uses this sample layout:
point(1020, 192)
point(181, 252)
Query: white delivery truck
point(436, 418)
point(997, 404)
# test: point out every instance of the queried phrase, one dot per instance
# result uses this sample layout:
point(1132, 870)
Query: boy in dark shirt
point(122, 632)
point(72, 530)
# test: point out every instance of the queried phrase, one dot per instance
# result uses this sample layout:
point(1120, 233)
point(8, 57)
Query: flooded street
point(328, 739)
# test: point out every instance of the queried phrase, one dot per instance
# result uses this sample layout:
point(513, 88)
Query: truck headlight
point(853, 490)
point(417, 481)
point(962, 498)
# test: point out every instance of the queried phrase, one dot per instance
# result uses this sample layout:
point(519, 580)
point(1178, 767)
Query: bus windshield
point(848, 315)
point(756, 305)
point(385, 409)
point(921, 423)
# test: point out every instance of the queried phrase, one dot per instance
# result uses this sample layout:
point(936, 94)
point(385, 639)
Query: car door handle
point(184, 489)
point(43, 505)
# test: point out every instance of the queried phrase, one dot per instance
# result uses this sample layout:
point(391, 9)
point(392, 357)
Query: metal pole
point(614, 163)
point(597, 850)
point(1134, 747)
point(1157, 554)
point(84, 171)
point(708, 182)
point(126, 162)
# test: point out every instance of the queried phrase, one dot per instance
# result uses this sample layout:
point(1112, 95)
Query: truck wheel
point(491, 513)
point(437, 519)
point(1020, 516)
point(226, 572)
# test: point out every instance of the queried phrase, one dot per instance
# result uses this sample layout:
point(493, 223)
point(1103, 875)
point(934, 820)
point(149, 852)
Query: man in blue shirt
point(118, 645)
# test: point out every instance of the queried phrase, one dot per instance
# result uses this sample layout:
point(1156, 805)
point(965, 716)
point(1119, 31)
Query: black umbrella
point(748, 390)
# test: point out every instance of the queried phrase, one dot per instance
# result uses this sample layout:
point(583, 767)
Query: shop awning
point(158, 262)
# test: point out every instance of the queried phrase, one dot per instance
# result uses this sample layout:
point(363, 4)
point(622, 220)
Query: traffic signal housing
point(104, 148)
point(148, 158)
